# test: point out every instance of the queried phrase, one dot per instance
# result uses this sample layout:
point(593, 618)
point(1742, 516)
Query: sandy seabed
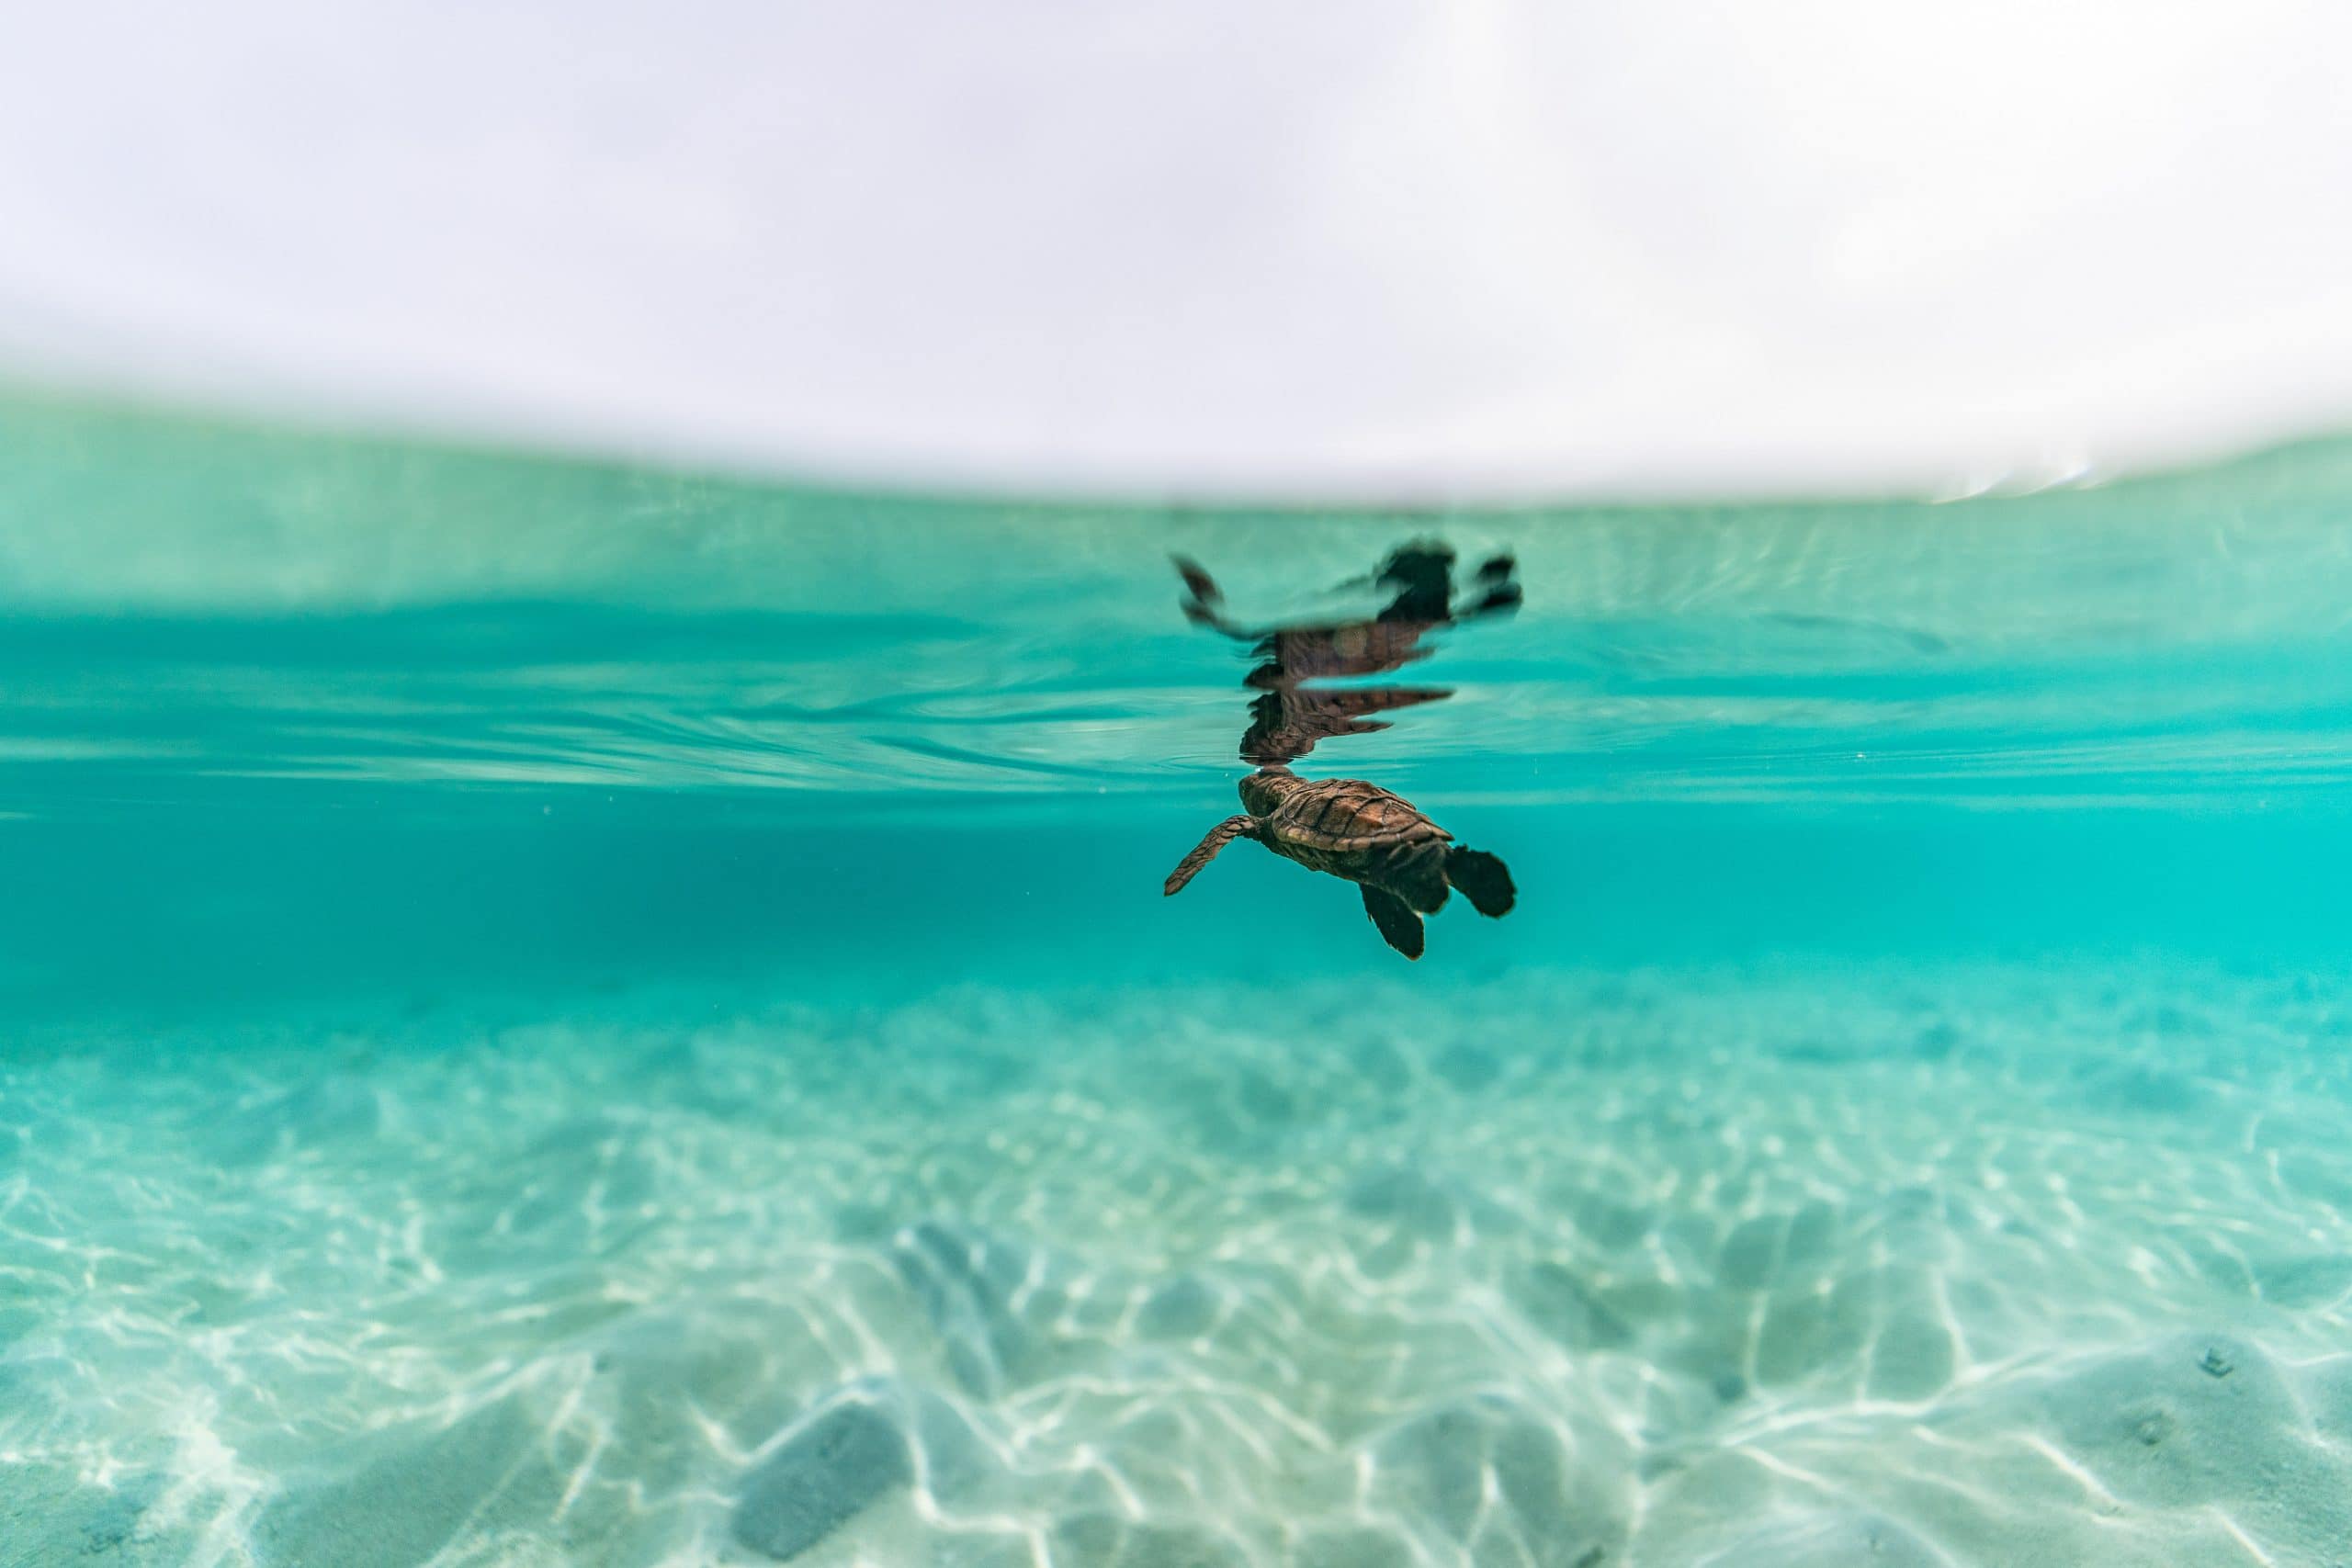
point(1892, 1268)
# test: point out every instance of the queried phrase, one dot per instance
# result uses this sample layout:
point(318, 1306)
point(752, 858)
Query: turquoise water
point(573, 1013)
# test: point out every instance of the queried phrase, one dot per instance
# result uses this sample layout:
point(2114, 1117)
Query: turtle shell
point(1346, 816)
point(1360, 648)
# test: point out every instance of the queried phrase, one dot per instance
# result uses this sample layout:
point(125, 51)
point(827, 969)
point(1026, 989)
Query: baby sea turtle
point(1404, 863)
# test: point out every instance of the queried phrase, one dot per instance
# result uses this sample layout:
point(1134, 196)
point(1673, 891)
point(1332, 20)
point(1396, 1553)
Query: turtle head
point(1265, 789)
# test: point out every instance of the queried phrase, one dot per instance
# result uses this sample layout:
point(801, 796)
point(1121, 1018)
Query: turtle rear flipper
point(1400, 926)
point(1500, 600)
point(1204, 851)
point(1422, 575)
point(1483, 880)
point(1500, 593)
point(1416, 874)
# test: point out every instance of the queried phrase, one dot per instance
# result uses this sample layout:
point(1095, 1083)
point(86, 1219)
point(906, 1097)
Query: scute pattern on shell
point(1339, 815)
point(1361, 648)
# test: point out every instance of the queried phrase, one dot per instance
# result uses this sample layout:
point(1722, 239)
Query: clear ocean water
point(569, 1014)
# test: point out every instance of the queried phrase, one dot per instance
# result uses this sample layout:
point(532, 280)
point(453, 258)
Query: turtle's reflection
point(1290, 717)
point(1404, 863)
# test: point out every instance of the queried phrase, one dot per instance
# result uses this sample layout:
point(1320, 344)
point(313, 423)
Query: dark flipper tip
point(1400, 926)
point(1483, 880)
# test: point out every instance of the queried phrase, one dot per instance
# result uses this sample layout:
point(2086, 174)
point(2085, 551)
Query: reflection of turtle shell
point(1360, 648)
point(1286, 724)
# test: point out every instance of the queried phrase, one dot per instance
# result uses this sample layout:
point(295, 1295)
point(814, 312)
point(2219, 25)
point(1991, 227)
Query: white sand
point(1906, 1267)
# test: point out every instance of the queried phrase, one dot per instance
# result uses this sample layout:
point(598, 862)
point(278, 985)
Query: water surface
point(560, 1013)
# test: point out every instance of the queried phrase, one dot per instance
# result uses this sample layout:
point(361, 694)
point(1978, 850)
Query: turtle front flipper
point(1204, 600)
point(1400, 926)
point(1204, 851)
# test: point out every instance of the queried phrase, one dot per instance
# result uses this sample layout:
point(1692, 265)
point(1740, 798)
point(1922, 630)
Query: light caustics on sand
point(2030, 1266)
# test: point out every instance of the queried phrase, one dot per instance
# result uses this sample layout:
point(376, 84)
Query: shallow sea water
point(559, 1013)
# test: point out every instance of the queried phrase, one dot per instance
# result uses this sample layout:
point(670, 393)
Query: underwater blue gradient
point(558, 1013)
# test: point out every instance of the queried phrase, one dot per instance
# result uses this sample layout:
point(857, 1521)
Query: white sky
point(1346, 248)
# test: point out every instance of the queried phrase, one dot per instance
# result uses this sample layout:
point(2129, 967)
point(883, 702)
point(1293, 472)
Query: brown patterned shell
point(1360, 648)
point(1343, 816)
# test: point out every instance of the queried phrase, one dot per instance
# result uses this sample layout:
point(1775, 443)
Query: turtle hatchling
point(1404, 863)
